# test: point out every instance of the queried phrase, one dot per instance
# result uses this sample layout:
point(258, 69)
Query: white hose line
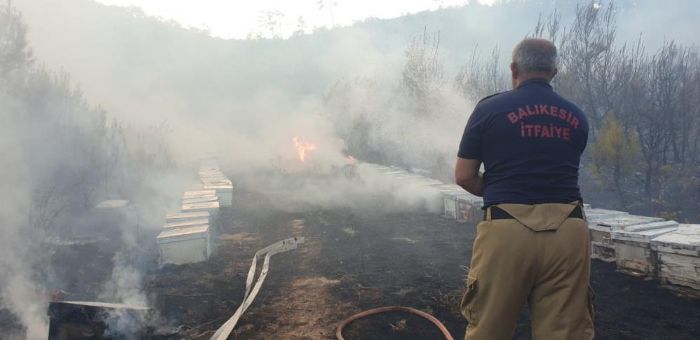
point(280, 247)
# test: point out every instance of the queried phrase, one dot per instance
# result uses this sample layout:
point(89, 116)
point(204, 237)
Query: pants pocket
point(467, 306)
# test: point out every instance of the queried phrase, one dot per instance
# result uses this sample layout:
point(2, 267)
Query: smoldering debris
point(83, 320)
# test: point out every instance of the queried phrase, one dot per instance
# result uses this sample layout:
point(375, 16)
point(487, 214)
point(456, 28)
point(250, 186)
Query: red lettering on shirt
point(521, 113)
point(563, 113)
point(512, 117)
point(557, 131)
point(545, 132)
point(574, 122)
point(529, 111)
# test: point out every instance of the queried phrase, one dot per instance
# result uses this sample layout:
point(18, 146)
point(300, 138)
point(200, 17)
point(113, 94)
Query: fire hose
point(391, 309)
point(252, 291)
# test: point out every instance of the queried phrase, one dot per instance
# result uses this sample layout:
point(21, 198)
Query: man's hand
point(467, 176)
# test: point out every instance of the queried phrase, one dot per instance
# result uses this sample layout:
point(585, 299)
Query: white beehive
point(449, 203)
point(112, 218)
point(632, 246)
point(595, 215)
point(428, 182)
point(601, 242)
point(678, 254)
point(190, 216)
point(185, 224)
point(213, 178)
point(198, 193)
point(462, 206)
point(211, 207)
point(200, 200)
point(184, 245)
point(224, 192)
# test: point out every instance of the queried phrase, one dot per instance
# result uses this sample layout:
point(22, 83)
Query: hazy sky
point(237, 19)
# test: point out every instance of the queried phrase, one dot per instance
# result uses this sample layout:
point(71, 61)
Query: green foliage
point(615, 155)
point(616, 148)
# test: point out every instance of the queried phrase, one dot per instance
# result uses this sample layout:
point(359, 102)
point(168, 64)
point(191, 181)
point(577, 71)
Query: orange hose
point(436, 322)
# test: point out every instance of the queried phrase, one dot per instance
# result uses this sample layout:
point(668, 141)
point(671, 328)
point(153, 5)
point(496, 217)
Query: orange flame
point(303, 147)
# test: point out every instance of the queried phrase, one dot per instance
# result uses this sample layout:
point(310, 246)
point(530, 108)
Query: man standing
point(533, 246)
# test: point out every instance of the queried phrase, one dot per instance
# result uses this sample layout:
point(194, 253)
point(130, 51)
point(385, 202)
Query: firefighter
point(532, 247)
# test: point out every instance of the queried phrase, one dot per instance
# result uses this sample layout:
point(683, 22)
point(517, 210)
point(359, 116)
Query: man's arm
point(467, 176)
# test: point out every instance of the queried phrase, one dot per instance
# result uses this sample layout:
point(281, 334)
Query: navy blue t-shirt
point(530, 140)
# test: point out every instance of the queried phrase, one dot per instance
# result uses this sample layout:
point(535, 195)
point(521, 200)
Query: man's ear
point(515, 72)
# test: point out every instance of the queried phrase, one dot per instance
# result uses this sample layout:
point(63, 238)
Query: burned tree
point(423, 75)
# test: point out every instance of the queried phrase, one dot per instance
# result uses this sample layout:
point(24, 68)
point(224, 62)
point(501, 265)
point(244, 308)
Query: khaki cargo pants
point(540, 259)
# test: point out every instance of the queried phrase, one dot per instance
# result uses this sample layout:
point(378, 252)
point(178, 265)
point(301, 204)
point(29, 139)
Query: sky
point(242, 19)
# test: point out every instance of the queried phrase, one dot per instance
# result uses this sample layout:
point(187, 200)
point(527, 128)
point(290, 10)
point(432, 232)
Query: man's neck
point(528, 79)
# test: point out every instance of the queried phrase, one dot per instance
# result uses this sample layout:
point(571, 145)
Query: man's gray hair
point(535, 55)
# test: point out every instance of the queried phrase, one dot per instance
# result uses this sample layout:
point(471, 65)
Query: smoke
point(19, 245)
point(244, 101)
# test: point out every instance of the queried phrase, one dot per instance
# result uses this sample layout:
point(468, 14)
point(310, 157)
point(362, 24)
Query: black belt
point(500, 214)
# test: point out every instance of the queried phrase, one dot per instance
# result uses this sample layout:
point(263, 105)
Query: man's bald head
point(534, 58)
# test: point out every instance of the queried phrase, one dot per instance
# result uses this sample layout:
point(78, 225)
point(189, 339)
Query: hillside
point(138, 66)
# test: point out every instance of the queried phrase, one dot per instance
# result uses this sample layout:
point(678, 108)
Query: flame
point(351, 159)
point(303, 147)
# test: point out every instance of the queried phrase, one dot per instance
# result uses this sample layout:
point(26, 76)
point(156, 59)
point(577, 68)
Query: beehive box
point(199, 199)
point(593, 216)
point(189, 216)
point(462, 206)
point(110, 219)
point(198, 193)
point(184, 245)
point(633, 251)
point(678, 255)
point(224, 192)
point(429, 182)
point(211, 207)
point(596, 215)
point(602, 247)
point(186, 223)
point(448, 203)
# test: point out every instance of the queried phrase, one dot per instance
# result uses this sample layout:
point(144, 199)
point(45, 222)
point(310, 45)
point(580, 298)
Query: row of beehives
point(641, 246)
point(186, 235)
point(648, 247)
point(456, 203)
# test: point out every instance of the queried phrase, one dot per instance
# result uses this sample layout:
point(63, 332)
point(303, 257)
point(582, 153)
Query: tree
point(271, 21)
point(587, 57)
point(481, 77)
point(330, 4)
point(615, 156)
point(423, 74)
point(14, 51)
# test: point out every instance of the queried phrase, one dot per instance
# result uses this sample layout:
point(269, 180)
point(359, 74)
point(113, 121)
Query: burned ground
point(359, 259)
point(354, 258)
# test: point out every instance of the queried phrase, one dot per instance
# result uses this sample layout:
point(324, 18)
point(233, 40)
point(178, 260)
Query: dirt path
point(305, 307)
